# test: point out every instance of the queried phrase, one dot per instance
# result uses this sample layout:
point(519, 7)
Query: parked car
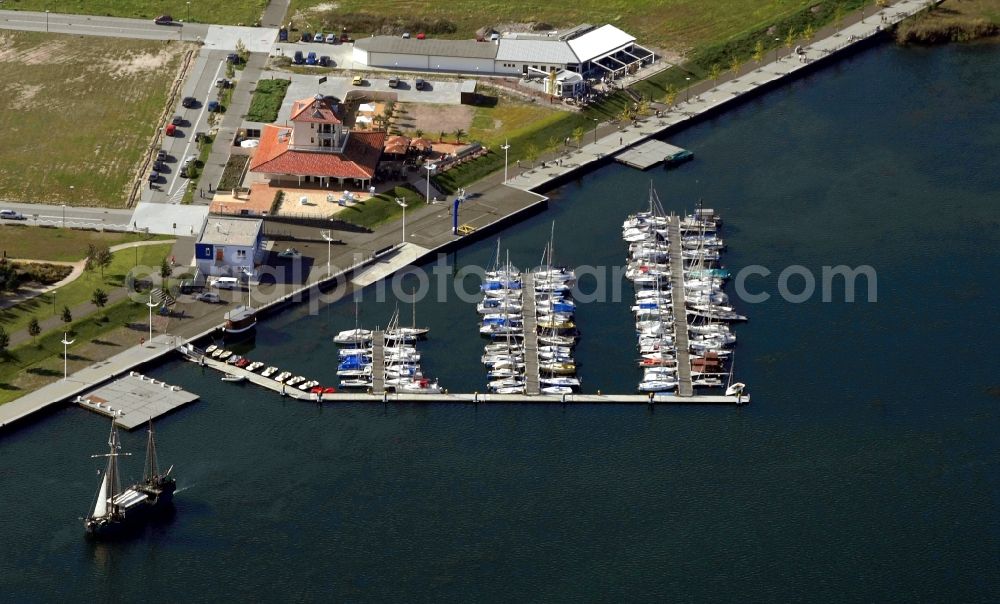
point(306, 37)
point(358, 81)
point(421, 84)
point(421, 36)
point(393, 82)
point(319, 37)
point(154, 176)
point(188, 163)
point(189, 102)
point(299, 58)
point(163, 20)
point(331, 38)
point(177, 120)
point(311, 59)
point(223, 83)
point(325, 61)
point(170, 130)
point(406, 35)
point(210, 297)
point(290, 253)
point(11, 215)
point(159, 166)
point(282, 35)
point(233, 58)
point(190, 286)
point(161, 155)
point(214, 106)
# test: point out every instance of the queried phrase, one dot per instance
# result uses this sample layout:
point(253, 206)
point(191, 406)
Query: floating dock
point(135, 399)
point(651, 152)
point(684, 386)
point(378, 362)
point(531, 380)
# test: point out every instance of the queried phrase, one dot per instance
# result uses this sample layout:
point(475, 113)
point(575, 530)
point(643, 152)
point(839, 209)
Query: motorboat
point(233, 378)
point(269, 371)
point(354, 336)
point(284, 375)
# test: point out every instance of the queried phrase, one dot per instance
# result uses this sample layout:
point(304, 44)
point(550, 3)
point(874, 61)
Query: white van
point(226, 283)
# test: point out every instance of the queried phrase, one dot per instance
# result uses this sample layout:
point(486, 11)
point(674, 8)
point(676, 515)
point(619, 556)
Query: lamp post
point(687, 89)
point(46, 20)
point(402, 203)
point(328, 235)
point(430, 168)
point(505, 146)
point(188, 10)
point(596, 123)
point(777, 44)
point(66, 342)
point(249, 274)
point(151, 307)
point(64, 216)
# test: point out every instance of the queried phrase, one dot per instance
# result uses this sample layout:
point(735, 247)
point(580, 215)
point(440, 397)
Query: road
point(73, 216)
point(88, 25)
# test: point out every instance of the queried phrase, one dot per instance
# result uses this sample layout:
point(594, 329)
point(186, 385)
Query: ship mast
point(152, 469)
point(111, 485)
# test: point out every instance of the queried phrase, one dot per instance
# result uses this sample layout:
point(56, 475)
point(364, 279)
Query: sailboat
point(117, 510)
point(243, 318)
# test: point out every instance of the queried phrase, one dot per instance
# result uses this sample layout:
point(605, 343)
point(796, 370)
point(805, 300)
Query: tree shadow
point(76, 357)
point(105, 343)
point(6, 386)
point(43, 371)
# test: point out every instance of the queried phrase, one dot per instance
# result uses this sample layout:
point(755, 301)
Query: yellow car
point(357, 81)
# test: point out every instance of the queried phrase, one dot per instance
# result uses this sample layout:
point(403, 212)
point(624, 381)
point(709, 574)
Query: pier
point(531, 385)
point(378, 362)
point(684, 386)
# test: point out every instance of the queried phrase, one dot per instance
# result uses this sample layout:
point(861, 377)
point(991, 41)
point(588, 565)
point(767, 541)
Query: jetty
point(531, 380)
point(684, 386)
point(378, 362)
point(647, 154)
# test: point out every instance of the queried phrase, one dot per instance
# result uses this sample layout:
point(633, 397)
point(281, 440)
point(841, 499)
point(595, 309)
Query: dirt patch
point(433, 119)
point(136, 63)
point(26, 93)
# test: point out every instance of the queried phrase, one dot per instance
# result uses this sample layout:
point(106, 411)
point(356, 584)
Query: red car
point(170, 130)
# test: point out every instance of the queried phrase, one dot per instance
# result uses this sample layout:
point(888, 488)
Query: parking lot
point(305, 86)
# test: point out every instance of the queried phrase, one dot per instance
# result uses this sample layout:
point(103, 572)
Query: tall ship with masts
point(116, 510)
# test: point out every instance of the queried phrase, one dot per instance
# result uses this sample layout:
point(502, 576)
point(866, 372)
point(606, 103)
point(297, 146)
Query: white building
point(591, 52)
point(229, 246)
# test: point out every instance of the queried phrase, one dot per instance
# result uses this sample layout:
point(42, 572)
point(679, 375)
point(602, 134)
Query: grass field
point(78, 111)
point(266, 101)
point(226, 12)
point(79, 291)
point(677, 25)
point(33, 364)
point(382, 208)
point(953, 20)
point(62, 245)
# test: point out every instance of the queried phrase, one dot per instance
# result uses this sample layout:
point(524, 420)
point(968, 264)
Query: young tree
point(531, 153)
point(671, 95)
point(808, 32)
point(34, 328)
point(4, 340)
point(98, 256)
point(577, 135)
point(441, 136)
point(790, 38)
point(734, 65)
point(165, 269)
point(419, 133)
point(67, 316)
point(99, 298)
point(459, 133)
point(758, 52)
point(714, 71)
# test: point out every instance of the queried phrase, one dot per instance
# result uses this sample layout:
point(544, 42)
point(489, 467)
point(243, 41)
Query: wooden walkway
point(378, 362)
point(684, 386)
point(530, 335)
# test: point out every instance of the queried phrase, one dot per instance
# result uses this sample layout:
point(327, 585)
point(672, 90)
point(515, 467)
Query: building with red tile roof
point(317, 148)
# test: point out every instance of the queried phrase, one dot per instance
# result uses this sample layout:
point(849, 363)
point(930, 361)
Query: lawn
point(78, 112)
point(33, 364)
point(266, 101)
point(79, 291)
point(677, 25)
point(228, 12)
point(382, 208)
point(62, 245)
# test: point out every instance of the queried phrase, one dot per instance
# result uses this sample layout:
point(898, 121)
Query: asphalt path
point(91, 25)
point(37, 214)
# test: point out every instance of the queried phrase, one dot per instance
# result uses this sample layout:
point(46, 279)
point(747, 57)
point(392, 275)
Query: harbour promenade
point(488, 205)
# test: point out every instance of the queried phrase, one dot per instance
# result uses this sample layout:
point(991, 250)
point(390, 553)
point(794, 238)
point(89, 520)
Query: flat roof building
point(229, 246)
